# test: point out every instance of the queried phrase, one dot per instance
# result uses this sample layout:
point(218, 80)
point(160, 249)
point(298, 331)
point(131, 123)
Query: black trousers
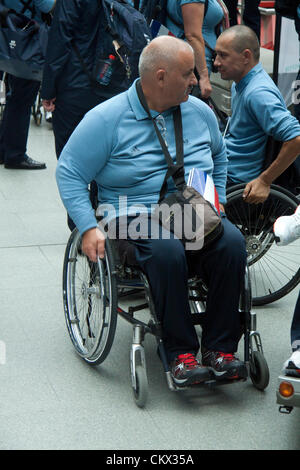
point(16, 118)
point(251, 15)
point(295, 327)
point(168, 267)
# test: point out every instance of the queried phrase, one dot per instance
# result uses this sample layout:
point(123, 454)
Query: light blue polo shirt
point(258, 110)
point(116, 145)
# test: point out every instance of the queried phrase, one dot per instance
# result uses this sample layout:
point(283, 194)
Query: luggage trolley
point(92, 296)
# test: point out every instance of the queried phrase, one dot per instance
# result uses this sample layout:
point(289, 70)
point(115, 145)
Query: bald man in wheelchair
point(116, 146)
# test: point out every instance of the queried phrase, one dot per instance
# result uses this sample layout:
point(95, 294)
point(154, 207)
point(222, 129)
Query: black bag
point(122, 35)
point(153, 10)
point(287, 8)
point(185, 212)
point(23, 44)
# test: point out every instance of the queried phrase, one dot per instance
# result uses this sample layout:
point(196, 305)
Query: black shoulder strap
point(176, 171)
point(205, 7)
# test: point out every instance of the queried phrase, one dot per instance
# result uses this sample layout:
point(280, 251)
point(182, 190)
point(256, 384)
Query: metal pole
point(276, 48)
point(242, 3)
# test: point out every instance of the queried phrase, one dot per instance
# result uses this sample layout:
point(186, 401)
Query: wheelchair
point(94, 295)
point(274, 270)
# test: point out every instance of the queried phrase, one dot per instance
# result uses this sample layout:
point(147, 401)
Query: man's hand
point(93, 244)
point(256, 191)
point(49, 105)
point(205, 87)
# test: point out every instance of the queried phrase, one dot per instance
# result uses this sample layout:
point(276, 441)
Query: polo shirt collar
point(245, 80)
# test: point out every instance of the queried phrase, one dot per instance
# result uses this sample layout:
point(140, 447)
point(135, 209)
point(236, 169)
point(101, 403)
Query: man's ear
point(160, 77)
point(247, 55)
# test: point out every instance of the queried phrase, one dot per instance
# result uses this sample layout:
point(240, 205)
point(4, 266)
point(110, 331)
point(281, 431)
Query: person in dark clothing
point(251, 14)
point(19, 100)
point(66, 88)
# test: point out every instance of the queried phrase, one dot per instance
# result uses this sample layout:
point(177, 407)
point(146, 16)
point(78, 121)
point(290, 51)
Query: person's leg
point(292, 365)
point(232, 11)
point(164, 263)
point(16, 119)
point(222, 266)
point(295, 327)
point(251, 16)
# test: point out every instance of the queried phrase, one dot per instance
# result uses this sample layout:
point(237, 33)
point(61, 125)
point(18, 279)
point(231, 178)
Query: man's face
point(230, 64)
point(180, 80)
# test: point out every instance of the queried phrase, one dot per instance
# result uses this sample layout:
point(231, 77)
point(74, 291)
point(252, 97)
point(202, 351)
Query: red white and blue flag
point(204, 184)
point(157, 29)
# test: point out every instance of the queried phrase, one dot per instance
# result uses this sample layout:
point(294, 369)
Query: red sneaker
point(224, 365)
point(186, 370)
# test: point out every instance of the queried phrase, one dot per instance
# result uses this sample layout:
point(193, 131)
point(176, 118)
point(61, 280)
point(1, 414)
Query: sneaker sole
point(192, 380)
point(233, 374)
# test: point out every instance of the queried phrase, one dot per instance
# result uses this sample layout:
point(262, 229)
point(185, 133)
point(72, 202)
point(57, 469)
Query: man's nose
point(194, 80)
point(216, 61)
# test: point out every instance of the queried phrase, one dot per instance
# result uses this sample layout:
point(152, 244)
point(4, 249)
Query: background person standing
point(19, 100)
point(251, 14)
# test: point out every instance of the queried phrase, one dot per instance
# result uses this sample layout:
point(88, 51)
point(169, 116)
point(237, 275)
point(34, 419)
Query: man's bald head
point(161, 52)
point(243, 38)
point(166, 69)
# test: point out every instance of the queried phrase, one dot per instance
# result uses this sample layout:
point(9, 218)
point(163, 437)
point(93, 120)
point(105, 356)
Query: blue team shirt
point(212, 18)
point(258, 110)
point(116, 145)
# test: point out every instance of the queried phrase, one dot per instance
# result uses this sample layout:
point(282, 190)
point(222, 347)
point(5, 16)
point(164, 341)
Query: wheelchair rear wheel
point(274, 270)
point(90, 301)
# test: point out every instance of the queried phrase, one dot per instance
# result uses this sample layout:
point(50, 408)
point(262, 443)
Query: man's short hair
point(244, 38)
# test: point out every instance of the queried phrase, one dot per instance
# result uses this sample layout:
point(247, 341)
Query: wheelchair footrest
point(208, 383)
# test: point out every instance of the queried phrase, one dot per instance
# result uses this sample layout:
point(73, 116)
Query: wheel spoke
point(274, 270)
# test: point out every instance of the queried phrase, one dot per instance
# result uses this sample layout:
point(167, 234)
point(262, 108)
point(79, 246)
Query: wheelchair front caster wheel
point(140, 391)
point(38, 118)
point(259, 371)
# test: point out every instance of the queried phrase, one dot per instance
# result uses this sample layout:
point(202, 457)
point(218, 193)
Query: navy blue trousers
point(16, 118)
point(295, 327)
point(168, 267)
point(251, 15)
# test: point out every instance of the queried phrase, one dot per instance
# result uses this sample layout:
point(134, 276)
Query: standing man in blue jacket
point(22, 94)
point(66, 90)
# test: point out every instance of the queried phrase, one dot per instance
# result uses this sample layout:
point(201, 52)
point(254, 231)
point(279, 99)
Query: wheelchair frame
point(91, 294)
